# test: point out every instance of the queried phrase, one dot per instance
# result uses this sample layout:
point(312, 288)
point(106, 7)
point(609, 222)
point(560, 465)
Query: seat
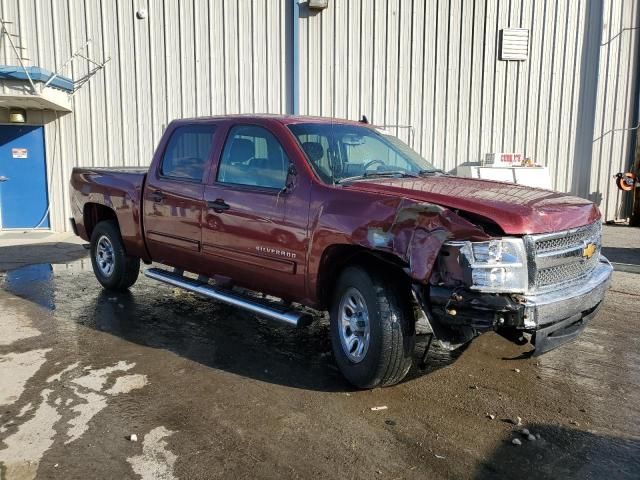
point(270, 171)
point(259, 163)
point(234, 169)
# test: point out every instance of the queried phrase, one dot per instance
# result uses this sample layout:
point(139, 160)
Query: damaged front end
point(468, 277)
point(541, 289)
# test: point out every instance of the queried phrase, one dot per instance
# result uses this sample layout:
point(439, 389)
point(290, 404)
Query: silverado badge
point(589, 250)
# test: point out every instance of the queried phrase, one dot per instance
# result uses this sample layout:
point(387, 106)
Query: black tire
point(124, 269)
point(389, 355)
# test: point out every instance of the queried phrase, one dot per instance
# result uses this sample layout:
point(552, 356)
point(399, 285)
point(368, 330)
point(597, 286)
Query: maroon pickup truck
point(341, 216)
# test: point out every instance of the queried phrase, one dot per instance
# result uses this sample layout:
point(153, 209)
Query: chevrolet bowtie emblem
point(589, 250)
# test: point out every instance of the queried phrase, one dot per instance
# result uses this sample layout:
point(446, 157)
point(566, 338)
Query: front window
point(253, 157)
point(340, 152)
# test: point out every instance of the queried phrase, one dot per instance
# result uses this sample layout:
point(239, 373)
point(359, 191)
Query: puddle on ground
point(33, 282)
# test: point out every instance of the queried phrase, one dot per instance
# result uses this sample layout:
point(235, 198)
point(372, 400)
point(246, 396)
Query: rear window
point(188, 152)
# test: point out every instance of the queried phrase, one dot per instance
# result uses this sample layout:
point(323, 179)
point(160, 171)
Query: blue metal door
point(23, 179)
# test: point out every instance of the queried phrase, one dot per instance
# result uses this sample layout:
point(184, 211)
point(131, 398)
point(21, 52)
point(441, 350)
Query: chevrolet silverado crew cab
point(275, 213)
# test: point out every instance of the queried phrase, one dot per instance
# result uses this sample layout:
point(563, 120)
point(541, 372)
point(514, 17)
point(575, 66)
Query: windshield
point(339, 152)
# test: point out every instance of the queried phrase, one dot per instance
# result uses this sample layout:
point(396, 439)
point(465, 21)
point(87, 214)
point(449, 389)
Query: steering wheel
point(372, 162)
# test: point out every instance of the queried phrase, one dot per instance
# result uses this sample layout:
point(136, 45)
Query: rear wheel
point(114, 269)
point(372, 329)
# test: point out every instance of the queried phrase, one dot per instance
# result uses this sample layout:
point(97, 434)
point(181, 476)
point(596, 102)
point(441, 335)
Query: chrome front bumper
point(551, 307)
point(558, 317)
point(551, 318)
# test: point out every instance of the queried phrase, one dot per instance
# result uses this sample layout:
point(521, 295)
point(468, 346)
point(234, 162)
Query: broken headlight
point(494, 266)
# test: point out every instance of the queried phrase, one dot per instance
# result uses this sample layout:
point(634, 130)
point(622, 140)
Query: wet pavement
point(18, 249)
point(214, 392)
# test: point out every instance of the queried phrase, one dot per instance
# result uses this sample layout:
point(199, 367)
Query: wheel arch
point(336, 258)
point(94, 213)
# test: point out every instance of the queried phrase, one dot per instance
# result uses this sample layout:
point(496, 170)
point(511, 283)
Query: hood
point(517, 209)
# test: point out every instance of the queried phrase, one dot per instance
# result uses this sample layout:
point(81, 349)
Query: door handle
point(157, 196)
point(219, 205)
point(3, 178)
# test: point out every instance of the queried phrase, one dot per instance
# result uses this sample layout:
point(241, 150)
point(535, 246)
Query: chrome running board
point(277, 312)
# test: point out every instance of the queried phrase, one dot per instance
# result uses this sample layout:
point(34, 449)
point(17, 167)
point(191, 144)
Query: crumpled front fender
point(412, 232)
point(416, 235)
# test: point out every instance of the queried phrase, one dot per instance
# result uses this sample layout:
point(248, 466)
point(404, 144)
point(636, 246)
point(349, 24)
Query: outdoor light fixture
point(318, 4)
point(17, 115)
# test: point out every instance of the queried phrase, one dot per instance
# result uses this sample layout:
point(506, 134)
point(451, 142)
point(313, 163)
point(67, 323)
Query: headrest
point(314, 150)
point(241, 150)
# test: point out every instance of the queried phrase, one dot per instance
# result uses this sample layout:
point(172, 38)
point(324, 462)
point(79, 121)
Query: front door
point(23, 179)
point(254, 231)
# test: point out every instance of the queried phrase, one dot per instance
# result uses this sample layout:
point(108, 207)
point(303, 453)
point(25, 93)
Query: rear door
point(23, 184)
point(173, 197)
point(255, 231)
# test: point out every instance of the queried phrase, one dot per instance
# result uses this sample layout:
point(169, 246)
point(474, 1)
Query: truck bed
point(129, 170)
point(118, 189)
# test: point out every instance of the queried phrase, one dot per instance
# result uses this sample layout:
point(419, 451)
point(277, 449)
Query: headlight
point(509, 251)
point(495, 266)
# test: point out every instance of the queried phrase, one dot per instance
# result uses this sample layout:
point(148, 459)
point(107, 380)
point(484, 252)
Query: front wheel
point(114, 269)
point(372, 329)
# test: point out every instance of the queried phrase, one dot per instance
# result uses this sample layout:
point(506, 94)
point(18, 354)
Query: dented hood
point(515, 208)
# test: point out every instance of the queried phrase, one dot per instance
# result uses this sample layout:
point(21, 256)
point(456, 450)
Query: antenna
point(77, 84)
point(79, 53)
point(3, 32)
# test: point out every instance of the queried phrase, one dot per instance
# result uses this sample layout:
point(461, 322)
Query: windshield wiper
point(432, 171)
point(388, 173)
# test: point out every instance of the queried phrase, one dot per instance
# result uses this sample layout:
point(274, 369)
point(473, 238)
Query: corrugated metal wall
point(615, 111)
point(429, 64)
point(434, 65)
point(187, 58)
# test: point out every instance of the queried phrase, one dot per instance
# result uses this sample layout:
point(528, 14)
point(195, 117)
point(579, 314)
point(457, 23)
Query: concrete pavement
point(214, 392)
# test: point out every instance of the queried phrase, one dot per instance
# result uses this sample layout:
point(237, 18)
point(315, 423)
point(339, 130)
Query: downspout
point(295, 58)
point(588, 91)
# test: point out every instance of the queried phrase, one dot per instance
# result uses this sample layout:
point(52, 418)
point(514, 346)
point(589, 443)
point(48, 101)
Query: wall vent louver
point(514, 44)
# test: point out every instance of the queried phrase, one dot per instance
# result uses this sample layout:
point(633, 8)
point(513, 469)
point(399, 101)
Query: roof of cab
point(283, 119)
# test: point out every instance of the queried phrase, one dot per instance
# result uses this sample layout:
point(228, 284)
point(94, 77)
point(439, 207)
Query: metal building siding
point(612, 144)
point(434, 65)
point(429, 64)
point(187, 58)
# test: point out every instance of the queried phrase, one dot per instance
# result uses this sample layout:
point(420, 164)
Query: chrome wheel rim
point(354, 325)
point(105, 256)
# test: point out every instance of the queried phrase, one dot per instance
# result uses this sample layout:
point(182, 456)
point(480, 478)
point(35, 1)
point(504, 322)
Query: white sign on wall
point(19, 152)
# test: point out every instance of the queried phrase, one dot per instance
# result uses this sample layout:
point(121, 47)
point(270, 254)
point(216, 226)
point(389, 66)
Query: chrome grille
point(563, 240)
point(558, 258)
point(565, 273)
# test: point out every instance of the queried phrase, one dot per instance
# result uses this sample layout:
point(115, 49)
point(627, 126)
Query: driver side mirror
point(290, 179)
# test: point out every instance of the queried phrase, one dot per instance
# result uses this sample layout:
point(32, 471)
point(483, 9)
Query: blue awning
point(37, 74)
